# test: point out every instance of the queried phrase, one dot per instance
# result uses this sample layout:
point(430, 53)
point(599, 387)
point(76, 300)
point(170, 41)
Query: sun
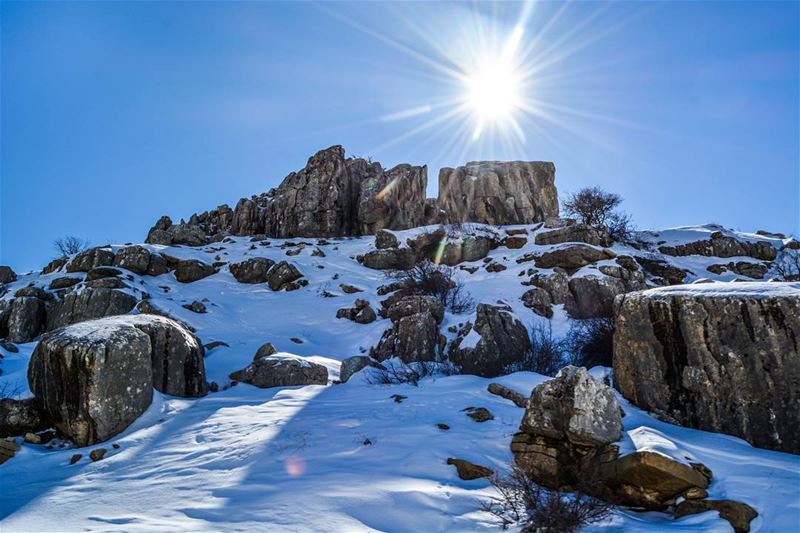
point(493, 91)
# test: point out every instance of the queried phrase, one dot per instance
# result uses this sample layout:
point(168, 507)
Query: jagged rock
point(385, 239)
point(281, 274)
point(389, 259)
point(133, 258)
point(23, 318)
point(504, 392)
point(35, 292)
point(501, 193)
point(92, 383)
point(265, 350)
point(426, 245)
point(166, 233)
point(720, 245)
point(738, 514)
point(575, 407)
point(575, 233)
point(157, 265)
point(191, 270)
point(718, 357)
point(412, 338)
point(502, 340)
point(393, 199)
point(54, 265)
point(661, 269)
point(648, 480)
point(415, 304)
point(89, 259)
point(107, 283)
point(7, 275)
point(88, 304)
point(538, 300)
point(282, 371)
point(102, 272)
point(743, 268)
point(354, 364)
point(467, 470)
point(465, 249)
point(571, 257)
point(63, 283)
point(556, 285)
point(593, 296)
point(18, 417)
point(253, 270)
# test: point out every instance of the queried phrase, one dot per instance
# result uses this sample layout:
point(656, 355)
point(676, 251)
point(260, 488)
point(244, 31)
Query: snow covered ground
point(338, 457)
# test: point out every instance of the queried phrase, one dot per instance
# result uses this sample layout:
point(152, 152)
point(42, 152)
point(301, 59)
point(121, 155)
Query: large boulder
point(354, 364)
point(575, 233)
point(18, 417)
point(393, 199)
point(87, 304)
point(389, 259)
point(495, 341)
point(466, 248)
point(7, 275)
point(571, 257)
point(23, 318)
point(502, 193)
point(593, 296)
point(191, 270)
point(253, 270)
point(720, 245)
point(139, 260)
point(89, 259)
point(93, 383)
point(282, 370)
point(281, 274)
point(411, 338)
point(721, 357)
point(166, 233)
point(414, 304)
point(95, 378)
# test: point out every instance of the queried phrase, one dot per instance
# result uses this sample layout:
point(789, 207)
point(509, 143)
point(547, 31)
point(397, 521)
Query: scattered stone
point(504, 392)
point(695, 493)
point(265, 350)
point(468, 471)
point(349, 289)
point(282, 371)
point(443, 427)
point(296, 340)
point(75, 458)
point(196, 307)
point(479, 414)
point(515, 243)
point(32, 438)
point(362, 313)
point(97, 454)
point(398, 398)
point(495, 267)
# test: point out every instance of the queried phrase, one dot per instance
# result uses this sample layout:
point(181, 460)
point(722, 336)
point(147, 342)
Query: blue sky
point(116, 113)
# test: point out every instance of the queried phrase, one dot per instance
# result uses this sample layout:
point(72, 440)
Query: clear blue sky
point(116, 113)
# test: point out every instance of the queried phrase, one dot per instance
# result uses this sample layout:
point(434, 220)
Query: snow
point(344, 457)
point(741, 289)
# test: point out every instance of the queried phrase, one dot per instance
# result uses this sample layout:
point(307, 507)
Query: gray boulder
point(414, 304)
point(7, 275)
point(411, 338)
point(572, 257)
point(282, 371)
point(23, 318)
point(720, 245)
point(389, 259)
point(539, 301)
point(465, 249)
point(102, 272)
point(575, 233)
point(354, 364)
point(501, 193)
point(502, 340)
point(88, 304)
point(133, 258)
point(18, 417)
point(89, 259)
point(392, 199)
point(191, 270)
point(593, 296)
point(385, 239)
point(718, 357)
point(281, 274)
point(253, 270)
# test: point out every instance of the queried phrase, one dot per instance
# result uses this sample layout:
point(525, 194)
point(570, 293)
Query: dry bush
point(532, 508)
point(591, 342)
point(598, 208)
point(438, 281)
point(70, 245)
point(547, 354)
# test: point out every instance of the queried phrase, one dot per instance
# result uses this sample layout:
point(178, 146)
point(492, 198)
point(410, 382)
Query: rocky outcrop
point(354, 364)
point(389, 259)
point(393, 199)
point(253, 270)
point(360, 313)
point(89, 259)
point(88, 304)
point(718, 357)
point(7, 275)
point(281, 371)
point(191, 270)
point(495, 341)
point(593, 296)
point(169, 234)
point(571, 257)
point(18, 417)
point(738, 514)
point(502, 193)
point(139, 260)
point(281, 275)
point(720, 245)
point(414, 335)
point(22, 319)
point(95, 378)
point(662, 272)
point(575, 233)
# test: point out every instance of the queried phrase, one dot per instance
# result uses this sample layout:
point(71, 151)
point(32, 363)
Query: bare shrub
point(439, 281)
point(523, 503)
point(787, 265)
point(395, 372)
point(591, 342)
point(547, 354)
point(598, 208)
point(70, 245)
point(10, 390)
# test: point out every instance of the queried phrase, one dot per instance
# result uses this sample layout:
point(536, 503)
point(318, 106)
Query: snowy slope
point(339, 457)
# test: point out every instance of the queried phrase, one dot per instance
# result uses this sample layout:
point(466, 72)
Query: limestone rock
point(412, 338)
point(89, 259)
point(7, 275)
point(63, 283)
point(575, 233)
point(385, 239)
point(389, 259)
point(88, 304)
point(282, 371)
point(354, 364)
point(671, 275)
point(502, 193)
point(571, 257)
point(593, 296)
point(393, 199)
point(466, 248)
point(538, 300)
point(133, 258)
point(720, 245)
point(18, 417)
point(23, 318)
point(410, 305)
point(191, 270)
point(718, 357)
point(281, 274)
point(253, 270)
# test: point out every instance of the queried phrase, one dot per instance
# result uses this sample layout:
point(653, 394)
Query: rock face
point(720, 245)
point(88, 304)
point(571, 257)
point(191, 270)
point(718, 357)
point(7, 275)
point(95, 378)
point(501, 341)
point(575, 233)
point(252, 270)
point(393, 199)
point(22, 319)
point(494, 192)
point(18, 417)
point(282, 371)
point(89, 259)
point(414, 335)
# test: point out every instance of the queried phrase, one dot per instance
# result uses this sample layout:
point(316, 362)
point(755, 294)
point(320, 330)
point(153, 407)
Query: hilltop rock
point(169, 234)
point(720, 245)
point(282, 371)
point(252, 270)
point(717, 357)
point(571, 257)
point(89, 259)
point(502, 340)
point(7, 275)
point(575, 233)
point(501, 193)
point(392, 199)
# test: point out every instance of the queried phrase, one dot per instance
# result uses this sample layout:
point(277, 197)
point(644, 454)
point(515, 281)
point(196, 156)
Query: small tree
point(70, 245)
point(591, 342)
point(546, 355)
point(598, 208)
point(533, 508)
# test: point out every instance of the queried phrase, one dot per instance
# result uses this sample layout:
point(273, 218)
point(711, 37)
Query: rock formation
point(718, 357)
point(281, 371)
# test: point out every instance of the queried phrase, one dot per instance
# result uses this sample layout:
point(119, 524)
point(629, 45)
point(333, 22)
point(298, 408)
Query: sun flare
point(493, 91)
